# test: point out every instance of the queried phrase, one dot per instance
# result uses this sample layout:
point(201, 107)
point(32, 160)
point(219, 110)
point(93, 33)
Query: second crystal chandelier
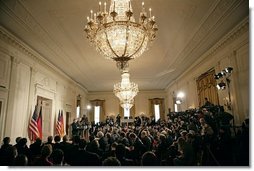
point(126, 90)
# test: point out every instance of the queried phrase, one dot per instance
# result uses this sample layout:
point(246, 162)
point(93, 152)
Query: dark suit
point(84, 158)
point(74, 127)
point(66, 147)
point(139, 149)
point(147, 143)
point(103, 144)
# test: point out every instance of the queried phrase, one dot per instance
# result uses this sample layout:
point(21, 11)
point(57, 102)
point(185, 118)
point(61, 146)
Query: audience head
point(18, 139)
point(57, 139)
point(113, 146)
point(122, 134)
point(202, 121)
point(22, 142)
point(192, 132)
point(189, 137)
point(143, 134)
point(164, 133)
point(111, 161)
point(65, 138)
point(108, 135)
point(162, 138)
point(133, 136)
point(149, 159)
point(183, 133)
point(204, 110)
point(50, 139)
point(38, 141)
point(100, 134)
point(6, 140)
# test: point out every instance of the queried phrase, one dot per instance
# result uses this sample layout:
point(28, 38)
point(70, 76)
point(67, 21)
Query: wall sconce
point(88, 107)
point(180, 95)
point(179, 98)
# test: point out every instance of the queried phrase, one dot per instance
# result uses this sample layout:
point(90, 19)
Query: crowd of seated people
point(191, 138)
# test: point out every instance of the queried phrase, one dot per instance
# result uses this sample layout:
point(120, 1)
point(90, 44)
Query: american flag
point(59, 124)
point(35, 124)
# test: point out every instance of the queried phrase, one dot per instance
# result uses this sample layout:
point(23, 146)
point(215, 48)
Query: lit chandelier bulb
point(100, 6)
point(105, 7)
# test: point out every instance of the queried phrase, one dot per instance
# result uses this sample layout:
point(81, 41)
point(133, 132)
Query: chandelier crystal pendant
point(117, 35)
point(127, 104)
point(126, 90)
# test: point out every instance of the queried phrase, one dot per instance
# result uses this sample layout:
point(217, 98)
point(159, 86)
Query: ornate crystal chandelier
point(117, 35)
point(126, 90)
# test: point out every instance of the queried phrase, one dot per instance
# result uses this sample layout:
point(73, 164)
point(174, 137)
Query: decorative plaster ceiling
point(187, 29)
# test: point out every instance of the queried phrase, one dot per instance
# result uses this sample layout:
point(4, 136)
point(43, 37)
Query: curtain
point(157, 101)
point(100, 103)
point(206, 87)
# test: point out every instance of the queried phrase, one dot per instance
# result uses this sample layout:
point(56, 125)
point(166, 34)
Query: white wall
point(232, 50)
point(24, 75)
